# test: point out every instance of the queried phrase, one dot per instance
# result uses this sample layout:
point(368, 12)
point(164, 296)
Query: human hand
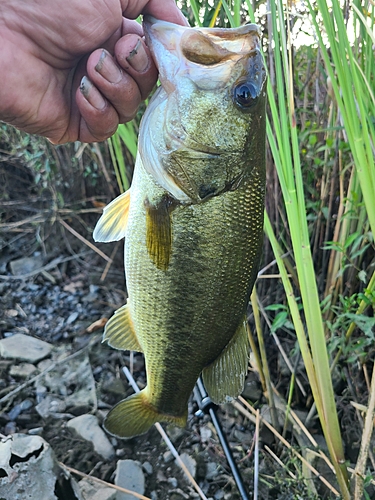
point(75, 69)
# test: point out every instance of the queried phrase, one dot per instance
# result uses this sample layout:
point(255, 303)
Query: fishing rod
point(206, 406)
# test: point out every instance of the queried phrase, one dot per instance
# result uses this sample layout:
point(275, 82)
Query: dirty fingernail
point(138, 58)
point(107, 68)
point(91, 94)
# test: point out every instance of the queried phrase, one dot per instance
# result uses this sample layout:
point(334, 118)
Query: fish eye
point(245, 94)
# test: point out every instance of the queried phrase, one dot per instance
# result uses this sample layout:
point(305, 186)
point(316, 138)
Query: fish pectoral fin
point(224, 378)
point(159, 232)
point(135, 415)
point(112, 224)
point(119, 331)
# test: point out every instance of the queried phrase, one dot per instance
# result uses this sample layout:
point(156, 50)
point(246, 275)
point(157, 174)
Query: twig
point(365, 442)
point(256, 457)
point(280, 462)
point(104, 169)
point(169, 443)
point(100, 481)
point(51, 367)
point(51, 265)
point(110, 262)
point(86, 242)
point(283, 440)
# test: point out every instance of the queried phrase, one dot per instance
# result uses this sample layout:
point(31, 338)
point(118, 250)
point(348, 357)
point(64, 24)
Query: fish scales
point(199, 291)
point(194, 225)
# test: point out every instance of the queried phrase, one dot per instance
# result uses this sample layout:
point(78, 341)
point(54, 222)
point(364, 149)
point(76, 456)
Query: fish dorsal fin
point(119, 331)
point(225, 377)
point(159, 232)
point(112, 224)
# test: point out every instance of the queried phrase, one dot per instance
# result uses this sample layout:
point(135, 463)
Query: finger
point(127, 26)
point(166, 10)
point(99, 119)
point(117, 86)
point(134, 57)
point(123, 89)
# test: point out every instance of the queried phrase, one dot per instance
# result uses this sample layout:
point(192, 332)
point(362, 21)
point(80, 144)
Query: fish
point(192, 220)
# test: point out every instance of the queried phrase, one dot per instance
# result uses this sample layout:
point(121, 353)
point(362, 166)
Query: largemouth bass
point(192, 221)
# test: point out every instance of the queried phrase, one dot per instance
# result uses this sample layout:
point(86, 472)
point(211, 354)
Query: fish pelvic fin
point(224, 378)
point(119, 331)
point(135, 415)
point(112, 224)
point(159, 232)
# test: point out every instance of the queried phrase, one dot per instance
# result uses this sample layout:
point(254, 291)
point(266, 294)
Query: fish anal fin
point(112, 224)
point(135, 415)
point(224, 378)
point(119, 331)
point(159, 232)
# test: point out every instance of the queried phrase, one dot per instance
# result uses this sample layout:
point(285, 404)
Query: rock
point(129, 475)
point(95, 491)
point(19, 408)
point(245, 438)
point(147, 467)
point(24, 347)
point(205, 433)
point(26, 265)
point(23, 370)
point(50, 405)
point(212, 470)
point(190, 463)
point(173, 482)
point(87, 427)
point(253, 388)
point(72, 317)
point(167, 456)
point(35, 431)
point(69, 386)
point(27, 461)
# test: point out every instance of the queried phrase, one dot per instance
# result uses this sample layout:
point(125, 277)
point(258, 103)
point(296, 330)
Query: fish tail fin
point(135, 415)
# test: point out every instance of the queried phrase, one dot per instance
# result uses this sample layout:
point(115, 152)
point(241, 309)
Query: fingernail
point(91, 94)
point(138, 58)
point(107, 68)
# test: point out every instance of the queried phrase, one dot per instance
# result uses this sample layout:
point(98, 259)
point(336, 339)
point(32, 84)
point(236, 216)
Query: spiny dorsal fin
point(112, 224)
point(225, 377)
point(159, 232)
point(119, 331)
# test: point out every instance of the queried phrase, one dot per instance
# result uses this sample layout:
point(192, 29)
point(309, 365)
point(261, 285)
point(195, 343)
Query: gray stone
point(167, 456)
point(26, 265)
point(190, 463)
point(72, 317)
point(94, 491)
point(24, 347)
point(23, 370)
point(129, 475)
point(173, 482)
point(27, 461)
point(212, 470)
point(147, 467)
point(87, 426)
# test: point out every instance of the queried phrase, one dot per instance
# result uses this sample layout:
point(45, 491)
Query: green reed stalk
point(352, 74)
point(283, 141)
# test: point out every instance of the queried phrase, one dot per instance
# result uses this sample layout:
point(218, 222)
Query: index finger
point(166, 10)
